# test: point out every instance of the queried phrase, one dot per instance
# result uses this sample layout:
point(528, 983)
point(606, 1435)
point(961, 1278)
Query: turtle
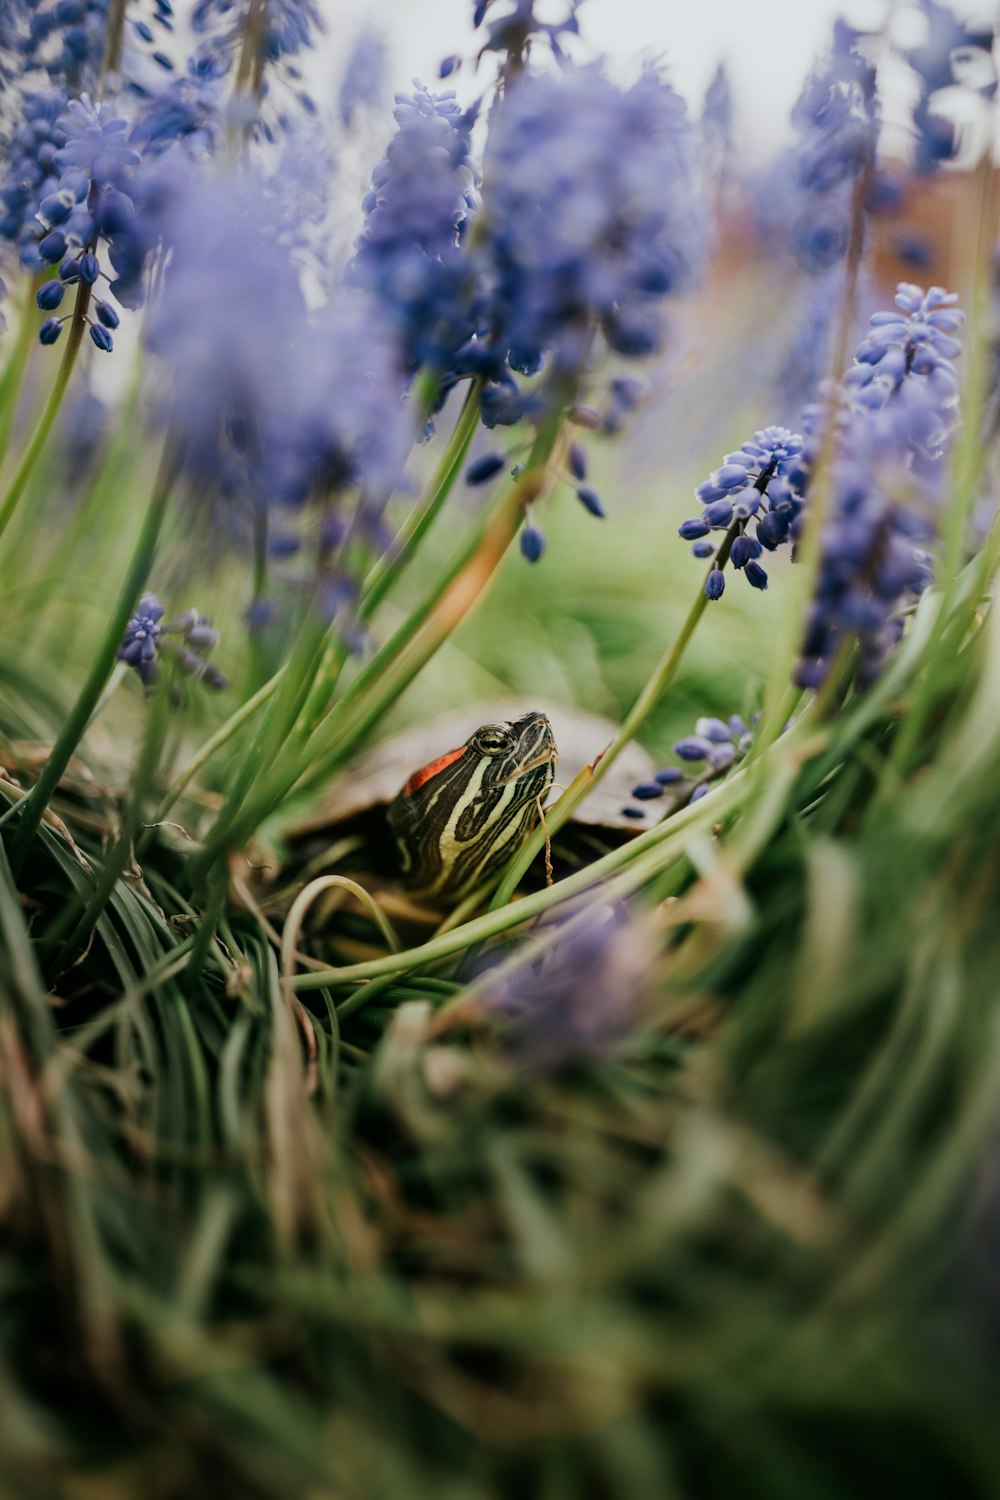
point(438, 809)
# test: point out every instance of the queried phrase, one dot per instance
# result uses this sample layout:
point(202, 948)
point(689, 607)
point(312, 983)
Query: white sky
point(767, 45)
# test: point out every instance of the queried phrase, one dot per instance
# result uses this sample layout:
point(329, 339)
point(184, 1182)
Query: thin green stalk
point(13, 375)
point(978, 237)
point(268, 743)
point(387, 570)
point(221, 737)
point(215, 905)
point(655, 686)
point(39, 437)
point(32, 807)
point(957, 615)
point(97, 515)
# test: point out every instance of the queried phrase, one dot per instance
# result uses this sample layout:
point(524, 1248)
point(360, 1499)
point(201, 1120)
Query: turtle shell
point(373, 779)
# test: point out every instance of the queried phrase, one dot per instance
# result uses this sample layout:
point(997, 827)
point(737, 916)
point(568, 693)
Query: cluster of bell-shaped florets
point(755, 499)
point(85, 211)
point(185, 639)
point(716, 746)
point(411, 253)
point(893, 416)
point(32, 173)
point(591, 220)
point(915, 338)
point(64, 39)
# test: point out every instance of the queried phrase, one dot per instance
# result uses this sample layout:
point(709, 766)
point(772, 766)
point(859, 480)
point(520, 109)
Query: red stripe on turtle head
point(427, 773)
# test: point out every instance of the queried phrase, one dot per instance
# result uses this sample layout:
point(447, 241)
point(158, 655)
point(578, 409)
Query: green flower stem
point(251, 61)
point(215, 905)
point(388, 569)
point(649, 697)
point(423, 631)
point(221, 737)
point(266, 748)
point(13, 375)
point(32, 808)
point(39, 437)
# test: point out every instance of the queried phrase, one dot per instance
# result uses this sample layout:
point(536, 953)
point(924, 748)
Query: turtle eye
point(494, 739)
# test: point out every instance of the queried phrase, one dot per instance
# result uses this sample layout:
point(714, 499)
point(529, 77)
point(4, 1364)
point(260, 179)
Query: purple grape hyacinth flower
point(364, 75)
point(897, 408)
point(411, 254)
point(574, 1003)
point(756, 495)
point(716, 745)
point(591, 218)
point(281, 406)
point(186, 638)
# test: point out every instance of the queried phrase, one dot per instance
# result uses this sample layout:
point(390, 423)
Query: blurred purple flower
point(512, 32)
point(897, 408)
point(364, 76)
point(270, 404)
point(805, 202)
point(592, 216)
point(574, 1002)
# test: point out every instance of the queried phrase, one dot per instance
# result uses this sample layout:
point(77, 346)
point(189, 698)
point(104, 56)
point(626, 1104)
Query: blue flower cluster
point(86, 207)
point(411, 254)
point(806, 200)
point(592, 217)
point(896, 412)
point(915, 338)
point(32, 173)
point(715, 746)
point(191, 109)
point(756, 499)
point(186, 639)
point(284, 405)
point(64, 39)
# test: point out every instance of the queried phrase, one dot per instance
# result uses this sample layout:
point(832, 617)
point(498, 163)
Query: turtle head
point(467, 812)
